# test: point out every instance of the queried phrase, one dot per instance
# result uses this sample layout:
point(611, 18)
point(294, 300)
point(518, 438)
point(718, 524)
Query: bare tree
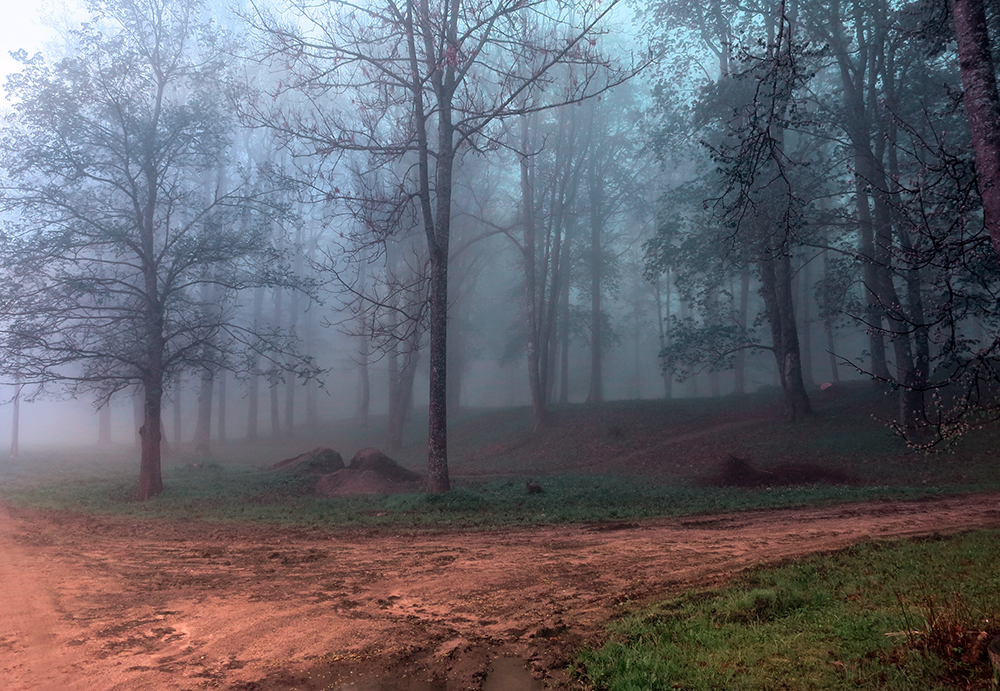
point(424, 82)
point(111, 236)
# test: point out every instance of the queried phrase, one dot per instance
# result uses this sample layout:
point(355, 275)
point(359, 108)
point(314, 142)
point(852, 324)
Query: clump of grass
point(908, 615)
point(953, 633)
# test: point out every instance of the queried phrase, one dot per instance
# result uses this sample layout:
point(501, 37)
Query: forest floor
point(108, 603)
point(117, 598)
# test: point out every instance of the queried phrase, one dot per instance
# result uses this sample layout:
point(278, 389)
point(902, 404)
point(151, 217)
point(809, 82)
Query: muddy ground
point(96, 603)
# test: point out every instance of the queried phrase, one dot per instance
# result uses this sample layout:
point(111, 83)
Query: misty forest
point(665, 337)
point(299, 211)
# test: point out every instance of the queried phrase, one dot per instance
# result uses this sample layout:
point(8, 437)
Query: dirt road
point(105, 604)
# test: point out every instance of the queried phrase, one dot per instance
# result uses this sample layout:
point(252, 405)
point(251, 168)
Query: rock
point(319, 461)
point(374, 460)
point(449, 648)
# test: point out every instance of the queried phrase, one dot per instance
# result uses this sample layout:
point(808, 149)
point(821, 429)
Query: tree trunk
point(312, 405)
point(253, 396)
point(221, 426)
point(293, 320)
point(437, 426)
point(290, 385)
point(137, 415)
point(776, 289)
point(531, 316)
point(805, 300)
point(103, 424)
point(151, 430)
point(831, 349)
point(559, 346)
point(691, 389)
point(15, 423)
point(982, 105)
point(401, 396)
point(563, 194)
point(364, 383)
point(853, 83)
point(564, 333)
point(273, 391)
point(456, 356)
point(437, 228)
point(661, 318)
point(911, 393)
point(595, 394)
point(175, 396)
point(740, 364)
point(150, 434)
point(912, 398)
point(873, 311)
point(203, 425)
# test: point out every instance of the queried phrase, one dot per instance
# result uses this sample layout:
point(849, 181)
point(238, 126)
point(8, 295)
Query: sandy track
point(104, 604)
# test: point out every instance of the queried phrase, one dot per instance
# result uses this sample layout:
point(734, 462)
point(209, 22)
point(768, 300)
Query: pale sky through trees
point(23, 28)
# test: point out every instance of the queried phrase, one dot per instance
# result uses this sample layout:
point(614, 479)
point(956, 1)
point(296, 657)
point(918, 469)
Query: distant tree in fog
point(123, 248)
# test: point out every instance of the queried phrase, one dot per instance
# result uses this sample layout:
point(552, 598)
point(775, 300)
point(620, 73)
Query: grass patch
point(903, 615)
point(623, 460)
point(217, 492)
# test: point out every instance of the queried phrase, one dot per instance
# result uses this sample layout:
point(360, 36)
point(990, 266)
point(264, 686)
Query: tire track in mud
point(111, 604)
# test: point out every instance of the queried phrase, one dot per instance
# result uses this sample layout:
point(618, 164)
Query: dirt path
point(89, 603)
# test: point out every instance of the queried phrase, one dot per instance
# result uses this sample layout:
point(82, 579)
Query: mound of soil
point(369, 472)
point(319, 461)
point(349, 482)
point(737, 472)
point(375, 460)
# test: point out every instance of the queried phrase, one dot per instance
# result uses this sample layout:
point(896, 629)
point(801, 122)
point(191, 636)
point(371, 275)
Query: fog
point(287, 215)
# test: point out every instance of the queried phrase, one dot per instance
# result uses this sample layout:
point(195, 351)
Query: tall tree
point(110, 237)
point(982, 105)
point(760, 198)
point(425, 81)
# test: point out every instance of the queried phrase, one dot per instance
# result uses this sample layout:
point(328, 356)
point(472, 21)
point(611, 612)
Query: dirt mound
point(350, 482)
point(737, 472)
point(319, 461)
point(369, 472)
point(375, 460)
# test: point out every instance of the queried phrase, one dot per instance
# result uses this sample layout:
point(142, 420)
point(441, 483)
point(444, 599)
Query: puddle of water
point(398, 685)
point(506, 674)
point(510, 674)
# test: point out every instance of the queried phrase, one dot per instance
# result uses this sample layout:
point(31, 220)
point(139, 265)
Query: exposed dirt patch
point(738, 472)
point(93, 603)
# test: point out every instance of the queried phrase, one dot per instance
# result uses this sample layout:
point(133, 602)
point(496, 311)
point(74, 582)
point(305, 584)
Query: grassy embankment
point(617, 461)
point(911, 615)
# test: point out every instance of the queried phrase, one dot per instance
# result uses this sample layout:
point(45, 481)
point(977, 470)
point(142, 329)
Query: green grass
point(902, 615)
point(217, 492)
point(615, 461)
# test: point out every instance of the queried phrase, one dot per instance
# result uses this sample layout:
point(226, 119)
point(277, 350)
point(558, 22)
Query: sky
point(20, 29)
point(23, 28)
